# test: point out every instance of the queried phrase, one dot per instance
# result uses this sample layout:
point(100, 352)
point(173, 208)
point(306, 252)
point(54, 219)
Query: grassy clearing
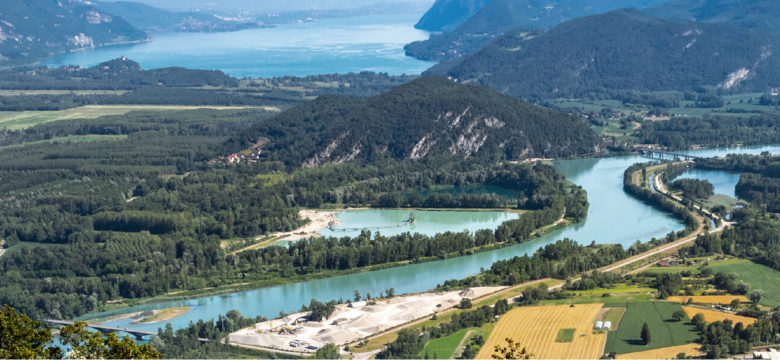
point(18, 120)
point(620, 294)
point(614, 315)
point(565, 335)
point(664, 331)
point(443, 348)
point(756, 275)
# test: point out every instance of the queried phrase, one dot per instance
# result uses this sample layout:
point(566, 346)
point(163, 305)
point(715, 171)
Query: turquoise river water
point(613, 217)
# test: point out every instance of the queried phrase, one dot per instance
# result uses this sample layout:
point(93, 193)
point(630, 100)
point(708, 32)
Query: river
point(613, 217)
point(339, 45)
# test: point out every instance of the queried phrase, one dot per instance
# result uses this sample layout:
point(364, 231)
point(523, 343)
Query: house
point(770, 353)
point(664, 263)
point(233, 159)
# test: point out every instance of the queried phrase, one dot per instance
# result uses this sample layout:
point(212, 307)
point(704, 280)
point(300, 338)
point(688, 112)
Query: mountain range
point(761, 15)
point(31, 30)
point(499, 16)
point(430, 116)
point(622, 50)
point(152, 19)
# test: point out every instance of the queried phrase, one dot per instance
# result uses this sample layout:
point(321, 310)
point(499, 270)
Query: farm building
point(607, 325)
point(599, 325)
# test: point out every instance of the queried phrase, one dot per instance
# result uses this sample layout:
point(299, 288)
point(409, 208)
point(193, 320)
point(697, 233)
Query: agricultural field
point(538, 327)
point(756, 275)
point(708, 299)
point(613, 315)
point(452, 346)
point(619, 293)
point(712, 315)
point(19, 120)
point(664, 331)
point(665, 353)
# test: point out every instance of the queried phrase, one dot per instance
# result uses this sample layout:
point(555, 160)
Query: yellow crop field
point(712, 316)
point(665, 353)
point(708, 299)
point(536, 327)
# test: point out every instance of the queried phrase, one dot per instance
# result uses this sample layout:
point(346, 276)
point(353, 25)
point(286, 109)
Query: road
point(659, 187)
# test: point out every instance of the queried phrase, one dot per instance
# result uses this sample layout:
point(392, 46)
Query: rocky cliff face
point(428, 117)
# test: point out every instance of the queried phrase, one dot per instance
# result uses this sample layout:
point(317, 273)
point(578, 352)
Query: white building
point(599, 325)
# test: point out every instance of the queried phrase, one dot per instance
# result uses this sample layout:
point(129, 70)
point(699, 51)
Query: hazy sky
point(266, 5)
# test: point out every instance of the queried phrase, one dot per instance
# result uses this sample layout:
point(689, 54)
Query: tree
point(465, 303)
point(357, 295)
point(756, 296)
point(734, 304)
point(645, 334)
point(320, 311)
point(678, 315)
point(329, 351)
point(24, 338)
point(86, 344)
point(511, 351)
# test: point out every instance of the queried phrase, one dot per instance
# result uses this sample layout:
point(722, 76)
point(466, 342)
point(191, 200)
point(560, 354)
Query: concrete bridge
point(653, 153)
point(139, 334)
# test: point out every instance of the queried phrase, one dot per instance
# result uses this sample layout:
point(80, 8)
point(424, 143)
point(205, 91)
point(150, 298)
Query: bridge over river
point(139, 334)
point(661, 153)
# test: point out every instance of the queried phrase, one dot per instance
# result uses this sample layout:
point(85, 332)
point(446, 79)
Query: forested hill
point(623, 49)
point(426, 117)
point(754, 14)
point(500, 16)
point(31, 30)
point(446, 15)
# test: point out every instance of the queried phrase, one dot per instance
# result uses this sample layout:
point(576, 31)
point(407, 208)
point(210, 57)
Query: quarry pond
point(613, 217)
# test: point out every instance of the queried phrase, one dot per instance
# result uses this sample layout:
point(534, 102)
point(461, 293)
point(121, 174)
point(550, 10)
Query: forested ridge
point(446, 119)
point(622, 49)
point(497, 17)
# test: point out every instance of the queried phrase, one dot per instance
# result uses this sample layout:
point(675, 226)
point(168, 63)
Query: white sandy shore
point(348, 324)
point(318, 220)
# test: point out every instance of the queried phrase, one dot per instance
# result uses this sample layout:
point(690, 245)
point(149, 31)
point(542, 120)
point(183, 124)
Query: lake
point(339, 45)
point(394, 222)
point(613, 217)
point(723, 182)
